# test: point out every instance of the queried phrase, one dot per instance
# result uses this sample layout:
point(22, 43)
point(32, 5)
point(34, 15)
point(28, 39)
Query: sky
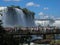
point(42, 8)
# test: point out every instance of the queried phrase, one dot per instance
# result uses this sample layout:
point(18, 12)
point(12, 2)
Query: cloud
point(32, 4)
point(52, 17)
point(46, 8)
point(46, 17)
point(58, 18)
point(41, 13)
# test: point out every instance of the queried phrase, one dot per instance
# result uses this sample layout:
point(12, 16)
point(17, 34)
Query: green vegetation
point(55, 42)
point(26, 11)
point(49, 36)
point(7, 39)
point(18, 26)
point(12, 6)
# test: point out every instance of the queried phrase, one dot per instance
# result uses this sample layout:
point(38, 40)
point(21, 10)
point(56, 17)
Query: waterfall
point(21, 17)
point(13, 17)
point(16, 17)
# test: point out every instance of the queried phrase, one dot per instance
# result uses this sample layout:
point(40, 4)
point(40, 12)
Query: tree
point(2, 35)
point(26, 11)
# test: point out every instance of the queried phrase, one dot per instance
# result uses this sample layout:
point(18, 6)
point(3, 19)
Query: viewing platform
point(33, 30)
point(25, 33)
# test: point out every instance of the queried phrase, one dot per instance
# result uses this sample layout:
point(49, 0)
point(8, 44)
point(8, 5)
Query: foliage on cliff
point(12, 6)
point(26, 11)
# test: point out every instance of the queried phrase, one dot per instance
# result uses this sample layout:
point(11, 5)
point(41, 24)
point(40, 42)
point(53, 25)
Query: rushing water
point(21, 17)
point(16, 17)
point(13, 17)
